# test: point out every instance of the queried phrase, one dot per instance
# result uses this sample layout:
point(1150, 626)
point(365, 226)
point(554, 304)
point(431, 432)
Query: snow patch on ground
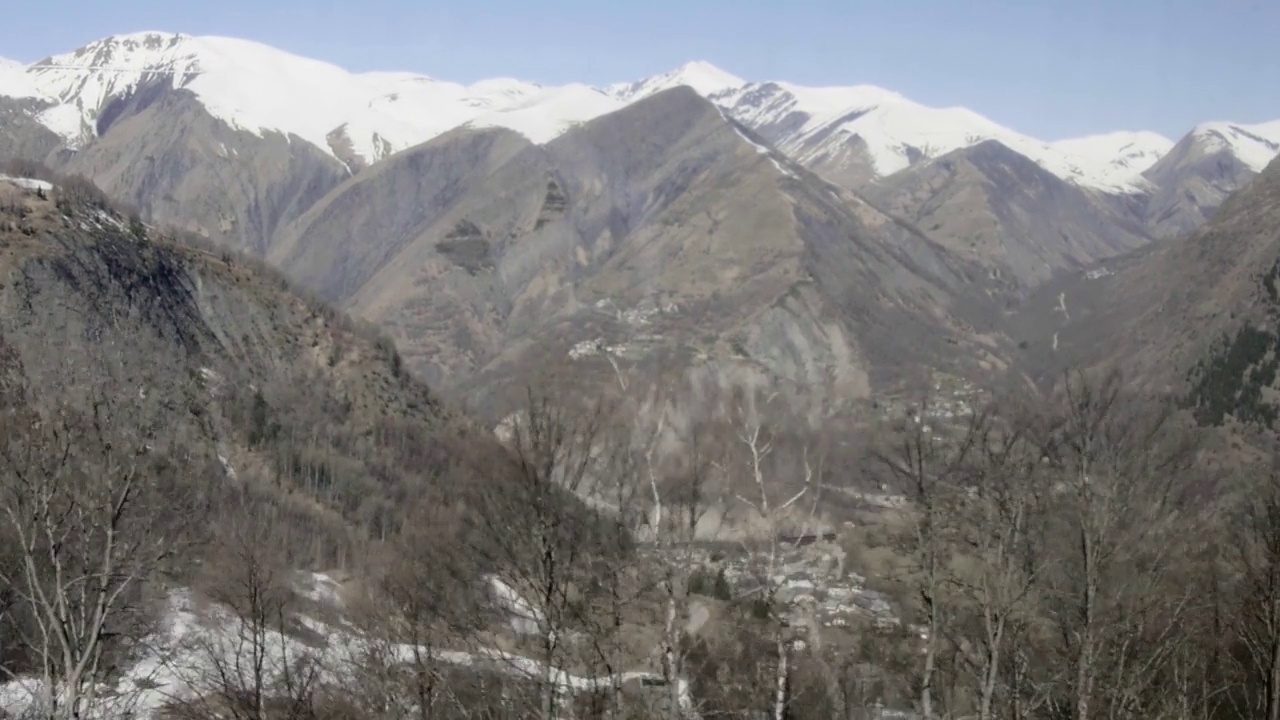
point(28, 183)
point(196, 640)
point(765, 150)
point(321, 588)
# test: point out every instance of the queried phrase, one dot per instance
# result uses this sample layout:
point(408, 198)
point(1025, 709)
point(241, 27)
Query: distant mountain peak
point(1255, 145)
point(706, 79)
point(851, 135)
point(260, 89)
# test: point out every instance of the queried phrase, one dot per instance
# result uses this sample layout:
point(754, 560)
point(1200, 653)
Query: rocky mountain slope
point(163, 382)
point(996, 207)
point(1208, 164)
point(1194, 316)
point(853, 135)
point(216, 348)
point(306, 526)
point(820, 233)
point(663, 228)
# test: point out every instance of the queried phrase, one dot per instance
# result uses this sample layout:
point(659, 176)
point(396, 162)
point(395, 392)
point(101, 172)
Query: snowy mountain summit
point(819, 125)
point(260, 89)
point(859, 132)
point(704, 78)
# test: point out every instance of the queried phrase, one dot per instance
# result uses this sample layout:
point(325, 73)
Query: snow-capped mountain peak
point(1255, 145)
point(704, 78)
point(865, 130)
point(260, 89)
point(14, 81)
point(817, 125)
point(1112, 160)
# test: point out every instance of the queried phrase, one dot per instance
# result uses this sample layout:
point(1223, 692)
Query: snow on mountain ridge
point(1255, 145)
point(1122, 154)
point(551, 112)
point(818, 122)
point(260, 89)
point(706, 79)
point(815, 122)
point(14, 81)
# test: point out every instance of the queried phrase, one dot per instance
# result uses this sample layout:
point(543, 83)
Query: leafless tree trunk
point(999, 513)
point(1122, 466)
point(421, 601)
point(536, 538)
point(81, 496)
point(1257, 560)
point(244, 665)
point(928, 464)
point(771, 499)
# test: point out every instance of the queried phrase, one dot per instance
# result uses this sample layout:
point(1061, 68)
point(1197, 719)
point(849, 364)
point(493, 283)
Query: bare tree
point(1256, 560)
point(421, 603)
point(1120, 467)
point(999, 516)
point(929, 463)
point(243, 663)
point(535, 537)
point(87, 503)
point(774, 499)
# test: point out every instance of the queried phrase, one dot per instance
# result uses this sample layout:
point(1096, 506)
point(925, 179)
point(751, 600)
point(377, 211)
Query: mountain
point(232, 139)
point(81, 285)
point(161, 151)
point(850, 134)
point(1194, 316)
point(1211, 162)
point(995, 206)
point(281, 130)
point(358, 118)
point(22, 136)
point(241, 473)
point(478, 221)
point(663, 229)
point(854, 135)
point(703, 78)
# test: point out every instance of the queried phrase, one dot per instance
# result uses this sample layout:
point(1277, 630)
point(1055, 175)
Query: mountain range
point(844, 236)
point(858, 132)
point(472, 389)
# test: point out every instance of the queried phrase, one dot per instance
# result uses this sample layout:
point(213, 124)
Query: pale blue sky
point(1050, 68)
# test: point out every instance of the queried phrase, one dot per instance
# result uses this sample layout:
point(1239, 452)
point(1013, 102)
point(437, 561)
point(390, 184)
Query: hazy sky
point(1049, 68)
